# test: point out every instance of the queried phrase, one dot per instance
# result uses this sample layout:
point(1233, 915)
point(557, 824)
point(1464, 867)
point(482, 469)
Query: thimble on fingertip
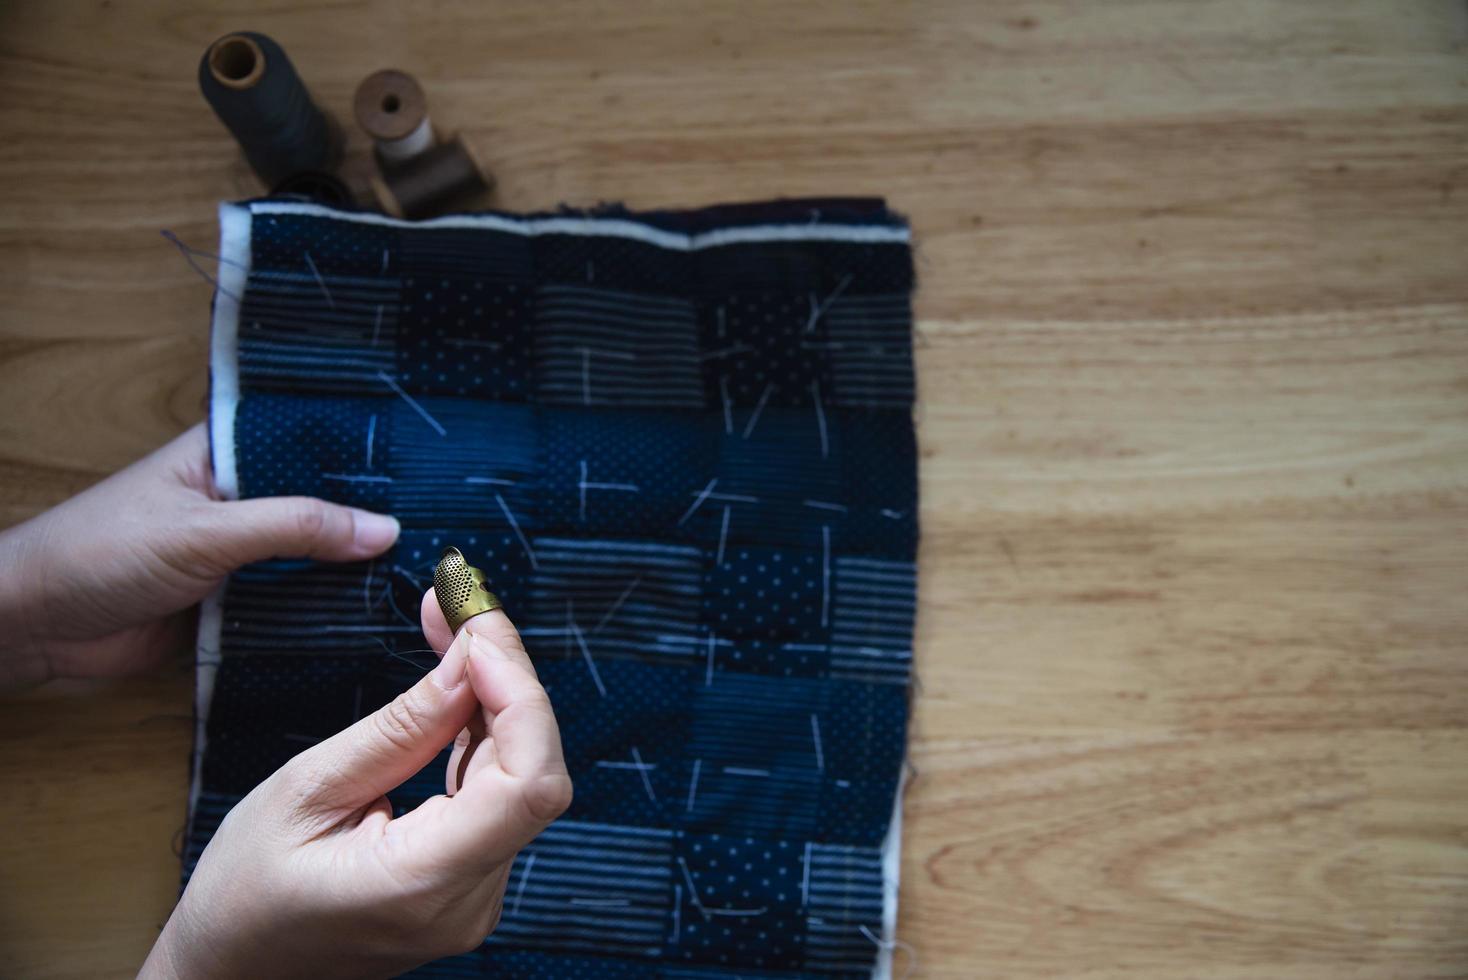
point(461, 589)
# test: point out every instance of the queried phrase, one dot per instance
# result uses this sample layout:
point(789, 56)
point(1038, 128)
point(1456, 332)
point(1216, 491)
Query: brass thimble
point(461, 589)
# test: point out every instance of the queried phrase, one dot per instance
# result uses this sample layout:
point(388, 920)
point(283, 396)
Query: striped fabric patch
point(681, 446)
point(609, 347)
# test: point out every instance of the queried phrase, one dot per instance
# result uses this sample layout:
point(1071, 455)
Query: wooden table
point(1193, 645)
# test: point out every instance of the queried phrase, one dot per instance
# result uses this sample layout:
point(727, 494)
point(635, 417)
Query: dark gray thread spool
point(431, 182)
point(254, 90)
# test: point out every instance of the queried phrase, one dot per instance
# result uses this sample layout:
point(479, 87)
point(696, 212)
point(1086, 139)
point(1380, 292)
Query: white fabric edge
point(607, 227)
point(224, 358)
point(224, 398)
point(891, 873)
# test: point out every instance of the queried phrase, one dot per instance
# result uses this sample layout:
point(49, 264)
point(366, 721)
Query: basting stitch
point(412, 403)
point(320, 281)
point(758, 408)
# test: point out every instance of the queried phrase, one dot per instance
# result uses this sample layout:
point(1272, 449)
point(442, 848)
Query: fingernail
point(374, 533)
point(449, 673)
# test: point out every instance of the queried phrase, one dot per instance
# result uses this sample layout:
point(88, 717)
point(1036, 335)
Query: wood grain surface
point(1193, 643)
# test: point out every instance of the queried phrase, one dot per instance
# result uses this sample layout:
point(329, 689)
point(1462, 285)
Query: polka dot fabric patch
point(465, 337)
point(681, 446)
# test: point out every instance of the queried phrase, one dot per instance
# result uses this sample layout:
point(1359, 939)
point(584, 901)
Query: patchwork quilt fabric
point(681, 446)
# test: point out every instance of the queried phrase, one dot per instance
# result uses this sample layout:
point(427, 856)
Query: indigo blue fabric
point(681, 446)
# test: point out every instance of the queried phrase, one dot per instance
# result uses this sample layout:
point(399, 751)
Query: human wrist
point(181, 953)
point(161, 963)
point(24, 660)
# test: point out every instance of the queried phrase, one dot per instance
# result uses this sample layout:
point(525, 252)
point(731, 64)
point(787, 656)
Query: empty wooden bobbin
point(236, 61)
point(432, 181)
point(391, 107)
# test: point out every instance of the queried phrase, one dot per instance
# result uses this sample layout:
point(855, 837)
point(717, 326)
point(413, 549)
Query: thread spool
point(431, 181)
point(391, 107)
point(254, 90)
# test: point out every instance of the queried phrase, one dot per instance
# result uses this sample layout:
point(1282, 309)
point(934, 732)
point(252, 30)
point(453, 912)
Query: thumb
point(298, 527)
point(362, 762)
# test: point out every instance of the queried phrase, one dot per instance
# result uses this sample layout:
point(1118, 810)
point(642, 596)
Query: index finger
point(435, 628)
point(494, 626)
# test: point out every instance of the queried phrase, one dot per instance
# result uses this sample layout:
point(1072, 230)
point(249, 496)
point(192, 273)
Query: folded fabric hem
point(887, 230)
